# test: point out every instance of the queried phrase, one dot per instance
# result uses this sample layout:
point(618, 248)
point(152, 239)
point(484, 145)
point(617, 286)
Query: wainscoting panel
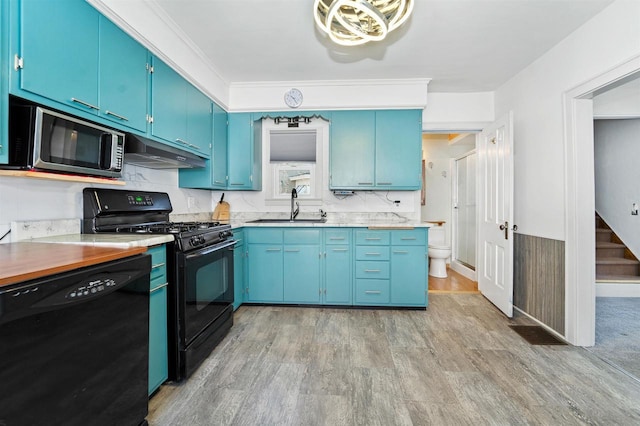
point(538, 279)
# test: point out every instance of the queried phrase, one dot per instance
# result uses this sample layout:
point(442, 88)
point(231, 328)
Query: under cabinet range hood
point(144, 152)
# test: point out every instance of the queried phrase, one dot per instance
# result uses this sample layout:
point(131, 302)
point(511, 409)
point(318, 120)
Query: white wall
point(438, 153)
point(616, 155)
point(29, 199)
point(535, 97)
point(449, 112)
point(620, 102)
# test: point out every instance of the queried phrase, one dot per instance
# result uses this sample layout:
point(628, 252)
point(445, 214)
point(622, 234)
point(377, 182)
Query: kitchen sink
point(323, 220)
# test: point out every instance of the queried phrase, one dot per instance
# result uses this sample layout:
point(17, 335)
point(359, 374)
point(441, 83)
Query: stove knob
point(201, 239)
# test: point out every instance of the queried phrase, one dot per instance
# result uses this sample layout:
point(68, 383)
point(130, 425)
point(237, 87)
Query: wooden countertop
point(23, 261)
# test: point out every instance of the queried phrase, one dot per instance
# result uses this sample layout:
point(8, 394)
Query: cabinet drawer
point(372, 238)
point(337, 236)
point(158, 281)
point(158, 262)
point(302, 236)
point(414, 237)
point(372, 253)
point(264, 236)
point(374, 292)
point(375, 270)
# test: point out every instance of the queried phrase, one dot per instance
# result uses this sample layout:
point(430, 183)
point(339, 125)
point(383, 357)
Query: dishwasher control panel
point(90, 288)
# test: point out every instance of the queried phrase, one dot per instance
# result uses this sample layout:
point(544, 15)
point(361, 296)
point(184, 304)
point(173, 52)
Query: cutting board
point(221, 212)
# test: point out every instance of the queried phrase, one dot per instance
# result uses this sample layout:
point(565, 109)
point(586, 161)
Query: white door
point(495, 205)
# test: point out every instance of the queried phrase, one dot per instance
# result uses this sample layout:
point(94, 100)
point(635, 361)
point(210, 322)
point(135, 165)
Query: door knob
point(505, 227)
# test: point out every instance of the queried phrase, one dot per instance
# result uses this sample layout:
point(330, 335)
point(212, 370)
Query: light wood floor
point(454, 283)
point(457, 363)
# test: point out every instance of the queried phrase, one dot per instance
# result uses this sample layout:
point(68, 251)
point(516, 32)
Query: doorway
point(580, 200)
point(464, 229)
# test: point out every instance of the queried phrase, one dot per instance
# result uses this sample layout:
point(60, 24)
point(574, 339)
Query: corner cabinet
point(244, 153)
point(376, 150)
point(214, 174)
point(158, 343)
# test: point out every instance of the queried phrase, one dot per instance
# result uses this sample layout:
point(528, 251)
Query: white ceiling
point(462, 45)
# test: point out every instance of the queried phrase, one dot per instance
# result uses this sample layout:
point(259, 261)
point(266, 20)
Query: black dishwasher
point(74, 347)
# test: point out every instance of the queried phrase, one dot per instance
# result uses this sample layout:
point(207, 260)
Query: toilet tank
point(437, 235)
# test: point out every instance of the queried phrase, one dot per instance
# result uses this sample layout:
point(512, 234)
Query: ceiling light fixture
point(354, 22)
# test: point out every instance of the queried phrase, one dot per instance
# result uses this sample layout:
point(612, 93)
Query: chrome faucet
point(294, 213)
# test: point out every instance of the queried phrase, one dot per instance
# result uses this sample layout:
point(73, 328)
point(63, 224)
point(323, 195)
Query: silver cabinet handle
point(365, 183)
point(400, 252)
point(158, 265)
point(292, 250)
point(158, 288)
point(372, 239)
point(87, 104)
point(182, 141)
point(372, 270)
point(218, 182)
point(408, 238)
point(372, 254)
point(372, 292)
point(273, 249)
point(336, 238)
point(116, 115)
point(384, 183)
point(236, 183)
point(339, 249)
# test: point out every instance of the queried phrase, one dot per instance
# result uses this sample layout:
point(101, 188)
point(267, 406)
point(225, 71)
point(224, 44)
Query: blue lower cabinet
point(337, 275)
point(238, 269)
point(158, 346)
point(372, 292)
point(409, 275)
point(302, 274)
point(265, 266)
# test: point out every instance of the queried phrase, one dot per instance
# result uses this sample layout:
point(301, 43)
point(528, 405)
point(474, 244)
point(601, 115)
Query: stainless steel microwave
point(47, 140)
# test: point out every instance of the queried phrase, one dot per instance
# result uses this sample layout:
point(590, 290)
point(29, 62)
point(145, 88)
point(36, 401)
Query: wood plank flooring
point(457, 363)
point(454, 283)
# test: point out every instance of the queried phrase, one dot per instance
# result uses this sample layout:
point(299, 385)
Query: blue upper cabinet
point(58, 52)
point(398, 149)
point(214, 174)
point(123, 77)
point(352, 150)
point(4, 81)
point(372, 150)
point(199, 121)
point(244, 153)
point(181, 113)
point(168, 104)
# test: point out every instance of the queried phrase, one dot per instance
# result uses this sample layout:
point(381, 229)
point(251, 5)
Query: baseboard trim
point(463, 270)
point(610, 289)
point(543, 325)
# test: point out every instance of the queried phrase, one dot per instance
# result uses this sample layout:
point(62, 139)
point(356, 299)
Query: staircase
point(614, 261)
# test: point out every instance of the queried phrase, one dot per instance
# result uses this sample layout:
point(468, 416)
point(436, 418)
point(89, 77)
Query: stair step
point(606, 249)
point(616, 266)
point(603, 235)
point(624, 279)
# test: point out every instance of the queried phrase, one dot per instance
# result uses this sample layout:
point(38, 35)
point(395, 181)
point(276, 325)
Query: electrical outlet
point(191, 202)
point(634, 209)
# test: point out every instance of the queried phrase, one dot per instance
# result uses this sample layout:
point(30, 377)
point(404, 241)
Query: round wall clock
point(293, 98)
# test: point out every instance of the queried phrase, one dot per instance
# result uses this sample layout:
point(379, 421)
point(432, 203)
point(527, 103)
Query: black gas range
point(199, 264)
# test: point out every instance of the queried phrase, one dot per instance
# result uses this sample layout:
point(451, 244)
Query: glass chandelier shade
point(354, 22)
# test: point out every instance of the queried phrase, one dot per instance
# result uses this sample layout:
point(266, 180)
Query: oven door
point(206, 290)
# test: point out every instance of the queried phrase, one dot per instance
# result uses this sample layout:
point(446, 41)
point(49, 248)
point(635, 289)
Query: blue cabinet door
point(265, 266)
point(398, 149)
point(168, 105)
point(409, 275)
point(4, 82)
point(238, 269)
point(158, 349)
point(219, 153)
point(199, 125)
point(59, 49)
point(352, 150)
point(302, 273)
point(123, 77)
point(337, 275)
point(240, 151)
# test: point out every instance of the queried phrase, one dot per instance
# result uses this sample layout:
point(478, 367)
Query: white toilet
point(439, 252)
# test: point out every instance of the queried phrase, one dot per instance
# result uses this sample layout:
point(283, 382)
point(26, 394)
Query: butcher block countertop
point(23, 261)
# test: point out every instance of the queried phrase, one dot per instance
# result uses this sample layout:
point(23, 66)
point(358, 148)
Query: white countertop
point(370, 225)
point(108, 240)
